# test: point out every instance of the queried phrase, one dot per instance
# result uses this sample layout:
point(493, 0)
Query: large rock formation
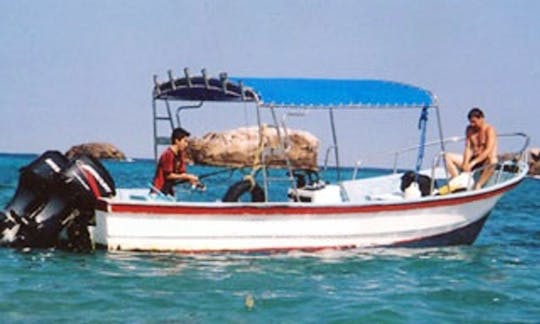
point(533, 156)
point(534, 161)
point(238, 147)
point(96, 150)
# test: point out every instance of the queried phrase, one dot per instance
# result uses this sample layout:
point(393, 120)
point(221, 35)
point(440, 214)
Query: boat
point(352, 213)
point(384, 210)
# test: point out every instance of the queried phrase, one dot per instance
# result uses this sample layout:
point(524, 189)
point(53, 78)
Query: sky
point(81, 71)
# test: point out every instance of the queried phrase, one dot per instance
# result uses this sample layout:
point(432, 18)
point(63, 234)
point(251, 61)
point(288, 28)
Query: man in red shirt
point(171, 167)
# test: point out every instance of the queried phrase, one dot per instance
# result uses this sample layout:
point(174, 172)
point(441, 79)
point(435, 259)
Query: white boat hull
point(202, 227)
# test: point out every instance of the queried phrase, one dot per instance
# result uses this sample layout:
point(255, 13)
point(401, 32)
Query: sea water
point(496, 280)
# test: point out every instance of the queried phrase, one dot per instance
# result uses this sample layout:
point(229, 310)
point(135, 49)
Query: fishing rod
point(201, 186)
point(213, 173)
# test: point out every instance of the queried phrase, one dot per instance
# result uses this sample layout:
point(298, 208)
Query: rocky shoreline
point(238, 147)
point(533, 157)
point(103, 151)
point(534, 161)
point(234, 148)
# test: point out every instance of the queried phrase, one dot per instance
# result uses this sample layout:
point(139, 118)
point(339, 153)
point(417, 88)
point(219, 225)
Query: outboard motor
point(55, 193)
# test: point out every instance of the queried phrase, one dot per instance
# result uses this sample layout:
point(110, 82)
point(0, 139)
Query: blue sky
point(80, 71)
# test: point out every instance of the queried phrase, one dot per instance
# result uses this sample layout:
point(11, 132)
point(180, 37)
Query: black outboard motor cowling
point(89, 178)
point(55, 193)
point(34, 182)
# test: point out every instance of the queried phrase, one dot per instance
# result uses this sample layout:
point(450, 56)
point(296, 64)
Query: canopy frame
point(260, 92)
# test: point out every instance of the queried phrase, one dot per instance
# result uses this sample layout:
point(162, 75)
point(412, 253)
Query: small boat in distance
point(315, 214)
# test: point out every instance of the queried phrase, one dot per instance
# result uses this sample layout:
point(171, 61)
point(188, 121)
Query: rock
point(533, 156)
point(96, 150)
point(534, 161)
point(238, 148)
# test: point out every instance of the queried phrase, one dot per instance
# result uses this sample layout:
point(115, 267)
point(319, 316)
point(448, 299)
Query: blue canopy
point(284, 92)
point(333, 92)
point(303, 93)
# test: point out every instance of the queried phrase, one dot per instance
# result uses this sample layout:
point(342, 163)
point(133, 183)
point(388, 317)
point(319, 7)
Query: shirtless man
point(480, 149)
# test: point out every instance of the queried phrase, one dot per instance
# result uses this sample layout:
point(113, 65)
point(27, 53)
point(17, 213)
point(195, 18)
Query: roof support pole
point(282, 139)
point(154, 111)
point(336, 147)
point(259, 123)
point(441, 138)
point(169, 114)
point(422, 125)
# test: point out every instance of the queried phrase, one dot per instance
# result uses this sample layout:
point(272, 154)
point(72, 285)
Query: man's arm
point(467, 155)
point(183, 176)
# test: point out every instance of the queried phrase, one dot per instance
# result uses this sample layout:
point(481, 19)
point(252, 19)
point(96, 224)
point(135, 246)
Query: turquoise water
point(497, 280)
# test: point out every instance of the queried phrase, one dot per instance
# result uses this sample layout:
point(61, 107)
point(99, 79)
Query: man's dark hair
point(476, 113)
point(179, 133)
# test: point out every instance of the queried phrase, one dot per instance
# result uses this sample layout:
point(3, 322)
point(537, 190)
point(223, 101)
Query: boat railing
point(439, 156)
point(283, 148)
point(180, 109)
point(498, 170)
point(327, 156)
point(287, 140)
point(397, 154)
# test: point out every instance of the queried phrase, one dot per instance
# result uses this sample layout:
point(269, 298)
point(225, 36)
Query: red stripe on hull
point(258, 250)
point(277, 209)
